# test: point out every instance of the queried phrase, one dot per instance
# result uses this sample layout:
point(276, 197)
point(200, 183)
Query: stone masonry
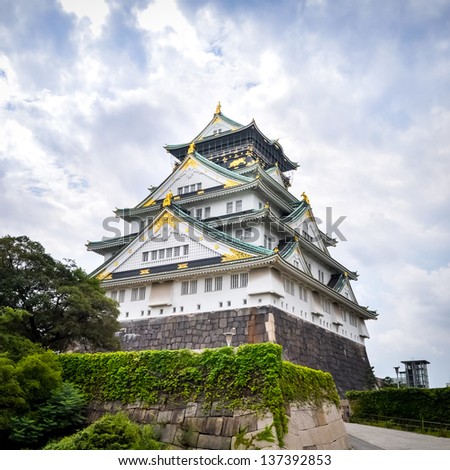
point(303, 342)
point(191, 426)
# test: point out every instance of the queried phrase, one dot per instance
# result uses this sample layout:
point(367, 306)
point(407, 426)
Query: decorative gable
point(170, 243)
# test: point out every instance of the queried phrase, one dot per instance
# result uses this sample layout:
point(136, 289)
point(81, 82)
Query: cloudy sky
point(358, 92)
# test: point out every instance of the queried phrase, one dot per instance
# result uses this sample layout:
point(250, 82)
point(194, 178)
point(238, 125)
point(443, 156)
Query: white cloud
point(95, 10)
point(357, 95)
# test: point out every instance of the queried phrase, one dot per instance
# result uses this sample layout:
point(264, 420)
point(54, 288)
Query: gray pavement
point(362, 437)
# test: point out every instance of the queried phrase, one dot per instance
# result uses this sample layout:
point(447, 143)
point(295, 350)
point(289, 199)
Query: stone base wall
point(303, 342)
point(194, 427)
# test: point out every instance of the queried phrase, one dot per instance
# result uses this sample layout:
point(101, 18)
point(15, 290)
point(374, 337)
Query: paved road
point(364, 437)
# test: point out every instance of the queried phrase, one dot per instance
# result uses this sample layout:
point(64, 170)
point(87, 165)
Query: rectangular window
point(185, 250)
point(326, 305)
point(218, 283)
point(189, 287)
point(121, 296)
point(186, 189)
point(199, 214)
point(234, 281)
point(288, 286)
point(207, 212)
point(353, 319)
point(145, 256)
point(154, 255)
point(199, 186)
point(268, 242)
point(321, 275)
point(248, 234)
point(169, 252)
point(185, 288)
point(161, 254)
point(114, 295)
point(303, 293)
point(239, 233)
point(141, 293)
point(238, 206)
point(176, 251)
point(344, 315)
point(180, 191)
point(134, 294)
point(239, 280)
point(208, 284)
point(229, 207)
point(192, 188)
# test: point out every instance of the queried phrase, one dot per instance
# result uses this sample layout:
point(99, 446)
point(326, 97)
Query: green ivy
point(252, 377)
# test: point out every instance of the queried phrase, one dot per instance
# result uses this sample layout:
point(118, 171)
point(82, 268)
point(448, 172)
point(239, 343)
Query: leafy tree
point(13, 341)
point(66, 308)
point(62, 413)
point(110, 432)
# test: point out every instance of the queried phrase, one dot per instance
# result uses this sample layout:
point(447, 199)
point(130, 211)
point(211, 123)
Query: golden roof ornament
point(168, 199)
point(191, 148)
point(305, 198)
point(218, 108)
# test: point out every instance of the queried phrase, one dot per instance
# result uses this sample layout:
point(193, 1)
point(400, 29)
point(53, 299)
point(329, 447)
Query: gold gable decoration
point(104, 276)
point(234, 255)
point(166, 219)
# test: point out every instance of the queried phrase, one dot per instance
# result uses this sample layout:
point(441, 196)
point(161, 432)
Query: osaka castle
point(221, 247)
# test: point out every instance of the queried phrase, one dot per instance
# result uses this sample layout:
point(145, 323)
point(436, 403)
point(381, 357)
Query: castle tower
point(223, 246)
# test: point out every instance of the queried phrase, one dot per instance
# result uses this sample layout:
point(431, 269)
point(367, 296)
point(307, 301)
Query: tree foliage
point(64, 306)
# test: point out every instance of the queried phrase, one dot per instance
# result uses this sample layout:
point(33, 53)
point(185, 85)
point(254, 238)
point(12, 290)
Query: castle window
point(218, 283)
point(121, 296)
point(229, 207)
point(207, 212)
point(239, 280)
point(326, 305)
point(141, 293)
point(154, 255)
point(181, 309)
point(161, 311)
point(114, 295)
point(176, 251)
point(199, 306)
point(288, 286)
point(180, 191)
point(127, 314)
point(244, 301)
point(199, 186)
point(149, 312)
point(199, 214)
point(238, 206)
point(321, 275)
point(239, 233)
point(174, 309)
point(192, 188)
point(208, 284)
point(220, 304)
point(134, 294)
point(142, 313)
point(185, 250)
point(268, 242)
point(169, 252)
point(303, 293)
point(189, 287)
point(145, 256)
point(161, 254)
point(353, 320)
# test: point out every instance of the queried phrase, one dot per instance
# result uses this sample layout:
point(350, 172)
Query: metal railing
point(405, 424)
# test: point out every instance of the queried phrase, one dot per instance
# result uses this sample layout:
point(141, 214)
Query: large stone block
point(206, 441)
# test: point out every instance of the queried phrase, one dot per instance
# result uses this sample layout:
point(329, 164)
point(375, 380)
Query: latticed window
point(239, 280)
point(121, 296)
point(145, 256)
point(208, 284)
point(141, 293)
point(134, 294)
point(114, 295)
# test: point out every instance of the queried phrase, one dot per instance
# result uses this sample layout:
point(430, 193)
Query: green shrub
point(110, 432)
point(408, 403)
point(62, 413)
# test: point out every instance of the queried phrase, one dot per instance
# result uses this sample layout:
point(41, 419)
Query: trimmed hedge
point(250, 377)
point(408, 403)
